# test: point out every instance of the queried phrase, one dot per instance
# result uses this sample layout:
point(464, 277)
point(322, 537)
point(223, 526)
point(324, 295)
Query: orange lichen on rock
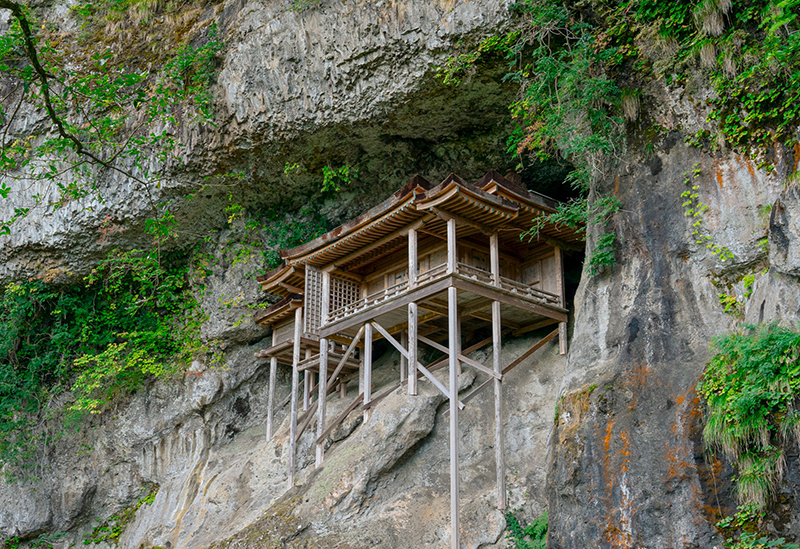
point(618, 529)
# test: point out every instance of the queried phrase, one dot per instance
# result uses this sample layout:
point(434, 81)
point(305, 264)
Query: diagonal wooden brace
point(420, 367)
point(462, 358)
point(347, 353)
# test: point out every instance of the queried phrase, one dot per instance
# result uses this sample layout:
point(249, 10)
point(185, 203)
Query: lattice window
point(313, 301)
point(343, 292)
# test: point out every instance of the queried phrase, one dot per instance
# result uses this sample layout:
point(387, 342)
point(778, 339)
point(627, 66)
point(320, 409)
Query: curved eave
point(279, 311)
point(403, 214)
point(286, 274)
point(473, 204)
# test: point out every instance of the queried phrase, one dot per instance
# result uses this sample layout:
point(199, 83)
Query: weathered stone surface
point(784, 232)
point(347, 82)
point(627, 467)
point(201, 440)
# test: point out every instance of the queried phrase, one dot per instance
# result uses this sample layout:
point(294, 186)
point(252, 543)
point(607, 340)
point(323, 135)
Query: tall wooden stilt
point(273, 376)
point(499, 438)
point(497, 334)
point(562, 326)
point(411, 342)
point(367, 369)
point(412, 348)
point(403, 360)
point(455, 350)
point(298, 332)
point(322, 399)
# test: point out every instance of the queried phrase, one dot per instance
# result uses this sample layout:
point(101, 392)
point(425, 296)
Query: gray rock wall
point(628, 466)
point(345, 82)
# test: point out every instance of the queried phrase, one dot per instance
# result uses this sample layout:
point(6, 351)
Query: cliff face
point(623, 465)
point(628, 466)
point(345, 83)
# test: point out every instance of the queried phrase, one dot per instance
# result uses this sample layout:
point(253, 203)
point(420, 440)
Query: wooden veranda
point(421, 268)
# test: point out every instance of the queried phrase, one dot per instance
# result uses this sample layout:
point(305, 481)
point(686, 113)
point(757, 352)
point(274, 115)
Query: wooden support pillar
point(452, 246)
point(342, 389)
point(562, 326)
point(497, 334)
point(273, 376)
point(455, 350)
point(499, 438)
point(412, 348)
point(308, 381)
point(322, 399)
point(367, 369)
point(403, 360)
point(298, 333)
point(325, 306)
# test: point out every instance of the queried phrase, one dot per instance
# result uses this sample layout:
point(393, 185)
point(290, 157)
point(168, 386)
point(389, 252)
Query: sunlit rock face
point(344, 82)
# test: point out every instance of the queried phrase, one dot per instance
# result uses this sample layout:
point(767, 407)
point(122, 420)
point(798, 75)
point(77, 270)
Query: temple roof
point(491, 203)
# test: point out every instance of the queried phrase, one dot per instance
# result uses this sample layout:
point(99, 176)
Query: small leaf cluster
point(751, 387)
point(577, 214)
point(334, 178)
point(282, 230)
point(532, 536)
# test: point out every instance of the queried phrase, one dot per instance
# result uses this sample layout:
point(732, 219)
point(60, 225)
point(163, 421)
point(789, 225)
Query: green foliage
point(731, 304)
point(284, 230)
point(568, 107)
point(568, 103)
point(302, 5)
point(113, 527)
point(132, 319)
point(603, 253)
point(757, 541)
point(107, 112)
point(532, 536)
point(741, 531)
point(694, 210)
point(751, 387)
point(190, 74)
point(334, 178)
point(577, 214)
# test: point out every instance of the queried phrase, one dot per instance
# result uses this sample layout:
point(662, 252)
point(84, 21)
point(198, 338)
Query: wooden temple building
point(421, 268)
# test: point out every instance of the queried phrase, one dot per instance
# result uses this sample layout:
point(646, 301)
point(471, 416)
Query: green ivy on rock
point(70, 350)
